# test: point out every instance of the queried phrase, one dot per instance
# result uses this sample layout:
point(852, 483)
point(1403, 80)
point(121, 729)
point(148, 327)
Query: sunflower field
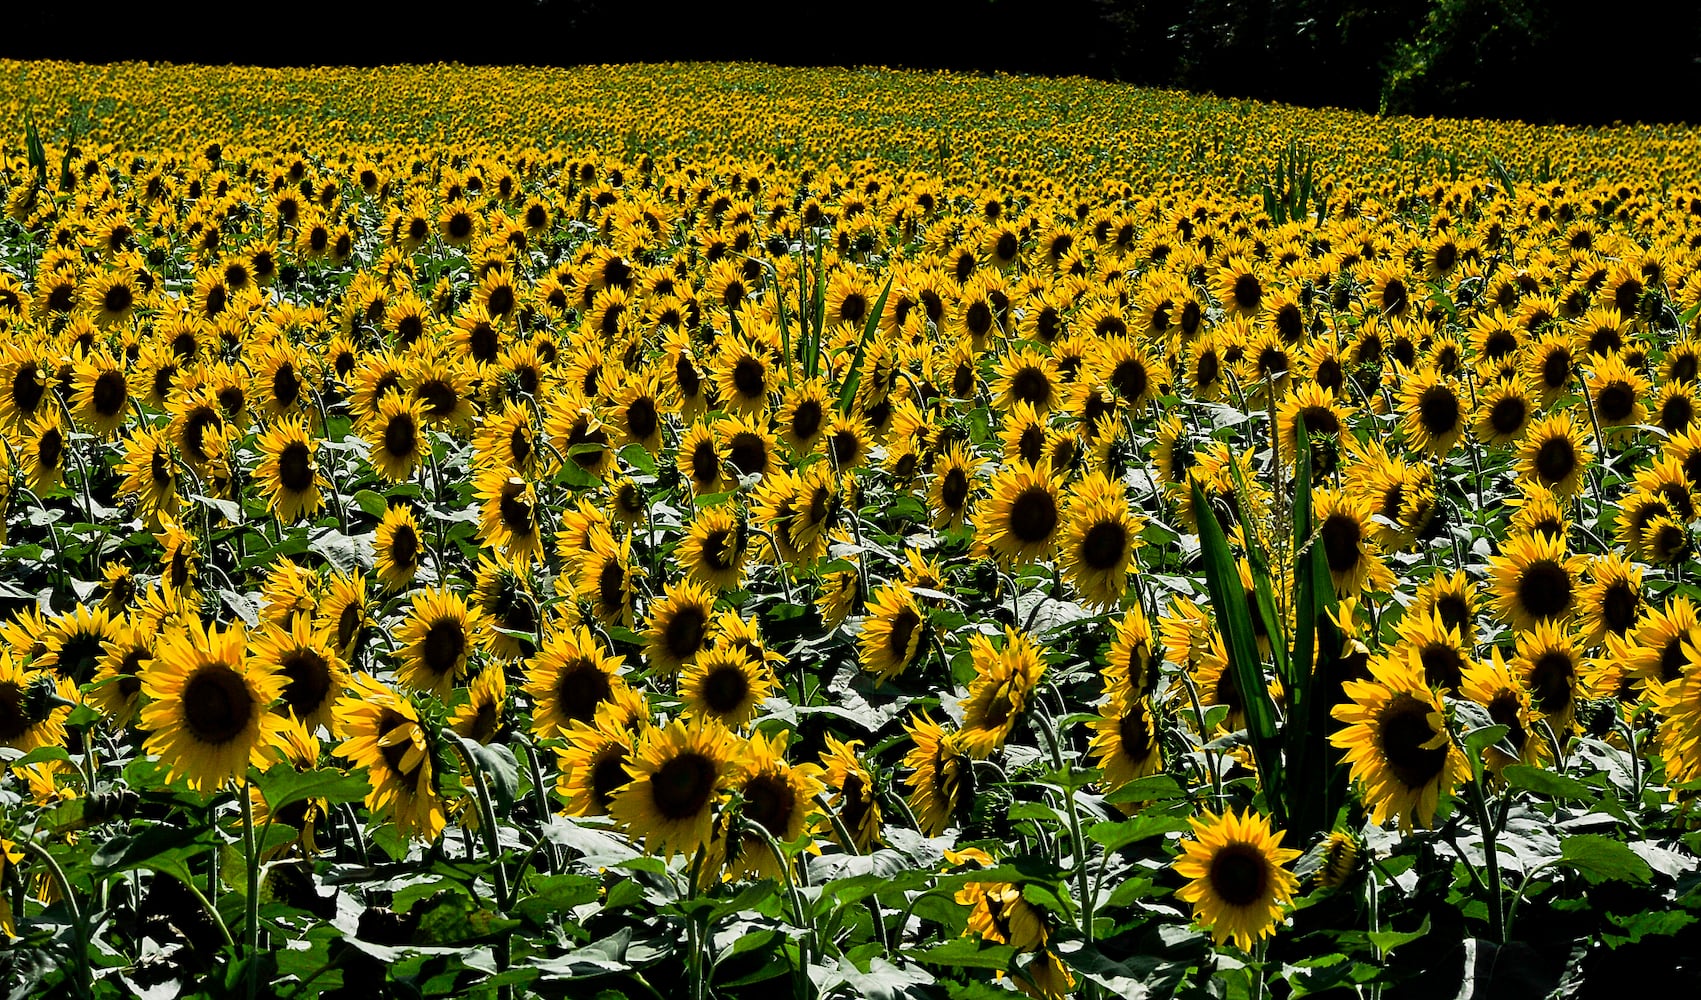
point(722, 531)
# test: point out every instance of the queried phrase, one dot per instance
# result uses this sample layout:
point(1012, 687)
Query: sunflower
point(1132, 663)
point(117, 686)
point(1439, 647)
point(1239, 287)
point(726, 685)
point(1323, 414)
point(852, 796)
point(1617, 391)
point(437, 640)
point(776, 795)
point(952, 487)
point(42, 448)
point(479, 718)
point(1125, 740)
point(1611, 603)
point(1553, 454)
point(678, 626)
point(207, 713)
point(28, 716)
point(26, 380)
point(1239, 882)
point(384, 734)
point(700, 459)
point(314, 675)
point(593, 764)
point(940, 778)
point(101, 395)
point(1000, 914)
point(893, 633)
point(508, 514)
point(742, 374)
point(715, 546)
point(605, 576)
point(396, 432)
point(398, 548)
point(1503, 413)
point(569, 679)
point(1098, 541)
point(679, 773)
point(1433, 414)
point(289, 474)
point(1396, 741)
point(1005, 680)
point(1344, 531)
point(1019, 523)
point(1535, 581)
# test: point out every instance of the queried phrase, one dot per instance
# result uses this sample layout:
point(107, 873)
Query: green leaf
point(1235, 620)
point(1603, 859)
point(966, 953)
point(853, 378)
point(1387, 941)
point(1544, 782)
point(555, 894)
point(1153, 787)
point(284, 786)
point(639, 457)
point(370, 502)
point(1113, 835)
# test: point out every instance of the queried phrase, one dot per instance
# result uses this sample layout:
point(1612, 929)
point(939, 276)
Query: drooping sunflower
point(208, 713)
point(289, 475)
point(893, 633)
point(569, 679)
point(1019, 523)
point(1535, 581)
point(1397, 743)
point(437, 640)
point(852, 796)
point(941, 776)
point(383, 734)
point(1000, 914)
point(1005, 679)
point(679, 773)
point(1125, 740)
point(1239, 881)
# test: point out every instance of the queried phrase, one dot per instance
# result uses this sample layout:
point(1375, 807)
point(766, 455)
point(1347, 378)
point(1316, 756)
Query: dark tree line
point(1577, 61)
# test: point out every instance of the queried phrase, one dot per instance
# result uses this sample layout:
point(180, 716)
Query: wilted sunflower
point(1239, 877)
point(680, 773)
point(383, 734)
point(892, 634)
point(940, 774)
point(1397, 743)
point(208, 713)
point(289, 475)
point(437, 641)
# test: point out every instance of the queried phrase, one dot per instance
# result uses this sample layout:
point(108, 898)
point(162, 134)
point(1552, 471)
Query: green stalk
point(251, 915)
point(1083, 880)
point(84, 980)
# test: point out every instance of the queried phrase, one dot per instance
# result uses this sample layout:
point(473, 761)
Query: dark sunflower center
point(684, 633)
point(27, 388)
point(404, 546)
point(1402, 731)
point(1240, 874)
point(1508, 415)
point(1033, 515)
point(1550, 681)
point(401, 437)
point(1619, 606)
point(580, 688)
point(1544, 589)
point(307, 681)
point(110, 392)
point(1135, 733)
point(749, 377)
point(1320, 420)
point(902, 633)
point(1104, 545)
point(748, 453)
point(295, 467)
point(78, 656)
point(49, 448)
point(681, 787)
point(806, 420)
point(641, 419)
point(1556, 459)
point(1443, 667)
point(1438, 410)
point(1029, 385)
point(501, 301)
point(118, 298)
point(608, 776)
point(1248, 292)
point(1342, 535)
point(14, 720)
point(725, 689)
point(445, 643)
point(439, 396)
point(217, 705)
point(515, 509)
point(1616, 402)
point(396, 753)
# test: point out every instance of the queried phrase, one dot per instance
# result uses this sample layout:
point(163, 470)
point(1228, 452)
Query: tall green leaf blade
point(1263, 589)
point(1236, 623)
point(853, 378)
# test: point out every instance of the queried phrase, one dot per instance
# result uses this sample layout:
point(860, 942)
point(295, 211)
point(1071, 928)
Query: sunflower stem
point(538, 793)
point(1044, 724)
point(80, 962)
point(807, 945)
point(849, 843)
point(251, 913)
point(1496, 905)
